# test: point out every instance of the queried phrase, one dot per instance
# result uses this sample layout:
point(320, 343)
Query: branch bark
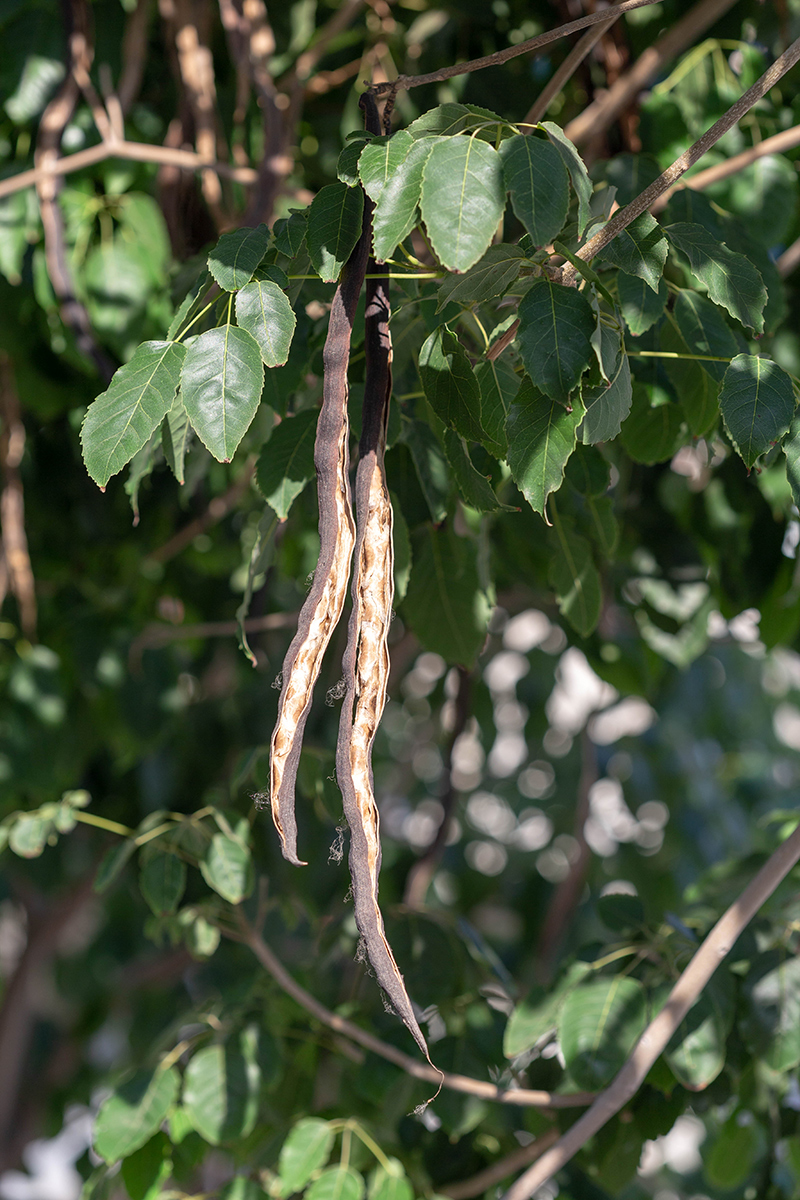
point(655, 1038)
point(567, 69)
point(465, 1189)
point(504, 56)
point(459, 1083)
point(686, 160)
point(16, 559)
point(597, 117)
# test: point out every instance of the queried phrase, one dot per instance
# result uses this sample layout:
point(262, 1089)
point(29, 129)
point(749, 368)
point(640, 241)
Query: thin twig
point(503, 56)
point(422, 872)
point(789, 259)
point(684, 161)
point(184, 160)
point(655, 1038)
point(458, 1083)
point(153, 636)
point(196, 67)
point(134, 54)
point(523, 1156)
point(597, 117)
point(776, 144)
point(567, 69)
point(16, 558)
point(217, 510)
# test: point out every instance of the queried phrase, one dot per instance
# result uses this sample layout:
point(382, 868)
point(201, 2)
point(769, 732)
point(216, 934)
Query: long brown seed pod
point(323, 607)
point(366, 660)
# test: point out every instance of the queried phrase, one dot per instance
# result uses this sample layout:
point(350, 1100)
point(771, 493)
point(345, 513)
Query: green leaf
point(242, 1188)
point(188, 303)
point(147, 1168)
point(221, 385)
point(286, 462)
point(475, 489)
point(228, 868)
point(599, 1026)
point(121, 421)
point(757, 404)
point(535, 175)
point(290, 233)
point(791, 448)
point(390, 1183)
point(651, 434)
point(305, 1150)
point(772, 999)
point(462, 199)
point(588, 472)
point(640, 306)
point(602, 525)
point(176, 433)
point(13, 235)
point(402, 552)
point(431, 468)
point(236, 255)
point(347, 165)
point(334, 227)
point(134, 1112)
point(621, 913)
point(202, 938)
point(499, 384)
point(574, 577)
point(581, 183)
point(263, 309)
point(491, 277)
point(696, 1051)
point(607, 407)
point(640, 250)
point(697, 390)
point(537, 1014)
point(112, 863)
point(337, 1183)
point(555, 329)
point(142, 465)
point(396, 212)
point(450, 384)
point(731, 279)
point(162, 881)
point(29, 834)
point(445, 604)
point(731, 1159)
point(449, 119)
point(220, 1090)
point(705, 331)
point(380, 159)
point(541, 436)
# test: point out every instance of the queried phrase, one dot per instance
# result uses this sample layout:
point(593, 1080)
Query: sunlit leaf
point(263, 309)
point(581, 183)
point(221, 385)
point(228, 868)
point(220, 1090)
point(134, 1112)
point(305, 1150)
point(337, 1183)
point(397, 209)
point(334, 227)
point(462, 199)
point(535, 175)
point(121, 421)
point(162, 880)
point(236, 255)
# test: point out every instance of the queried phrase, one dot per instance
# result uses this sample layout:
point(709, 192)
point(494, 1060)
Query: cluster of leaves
point(532, 410)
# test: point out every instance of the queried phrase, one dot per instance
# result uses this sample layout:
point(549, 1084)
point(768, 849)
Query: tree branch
point(655, 1038)
point(597, 117)
point(503, 56)
point(16, 559)
point(567, 69)
point(465, 1189)
point(458, 1083)
point(776, 144)
point(185, 160)
point(686, 160)
point(217, 510)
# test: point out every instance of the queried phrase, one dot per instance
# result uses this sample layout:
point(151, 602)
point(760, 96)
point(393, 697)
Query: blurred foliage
point(135, 733)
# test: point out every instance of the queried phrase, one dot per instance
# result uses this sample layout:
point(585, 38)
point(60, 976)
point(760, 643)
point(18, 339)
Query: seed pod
point(323, 607)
